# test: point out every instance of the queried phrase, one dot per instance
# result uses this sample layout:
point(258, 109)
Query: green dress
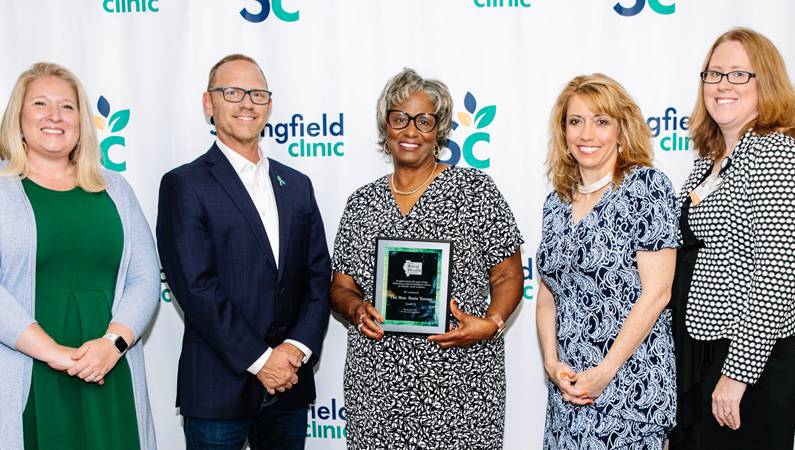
point(79, 247)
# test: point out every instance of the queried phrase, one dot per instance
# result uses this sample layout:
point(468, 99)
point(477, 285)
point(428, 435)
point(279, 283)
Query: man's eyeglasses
point(399, 120)
point(736, 77)
point(236, 95)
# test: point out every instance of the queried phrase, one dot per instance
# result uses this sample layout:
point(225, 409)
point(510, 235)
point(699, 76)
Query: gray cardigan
point(137, 295)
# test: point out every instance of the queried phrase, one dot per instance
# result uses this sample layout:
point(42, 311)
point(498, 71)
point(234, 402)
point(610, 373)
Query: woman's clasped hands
point(579, 388)
point(93, 360)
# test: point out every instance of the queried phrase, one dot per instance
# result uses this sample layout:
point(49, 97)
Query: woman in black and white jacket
point(734, 293)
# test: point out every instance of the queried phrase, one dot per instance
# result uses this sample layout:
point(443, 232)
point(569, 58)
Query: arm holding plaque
point(346, 299)
point(506, 280)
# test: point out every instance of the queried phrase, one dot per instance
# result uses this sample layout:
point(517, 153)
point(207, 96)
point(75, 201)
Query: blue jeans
point(270, 428)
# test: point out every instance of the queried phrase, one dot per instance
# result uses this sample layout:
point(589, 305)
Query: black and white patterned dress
point(403, 392)
point(743, 286)
point(591, 268)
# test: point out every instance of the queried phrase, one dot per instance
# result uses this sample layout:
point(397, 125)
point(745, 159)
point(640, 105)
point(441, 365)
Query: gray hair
point(407, 83)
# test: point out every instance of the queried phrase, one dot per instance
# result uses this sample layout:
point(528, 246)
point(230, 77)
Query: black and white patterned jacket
point(743, 285)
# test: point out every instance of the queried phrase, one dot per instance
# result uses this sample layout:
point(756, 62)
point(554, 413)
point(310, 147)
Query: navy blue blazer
point(219, 265)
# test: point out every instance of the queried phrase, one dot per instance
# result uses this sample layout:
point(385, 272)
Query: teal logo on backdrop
point(655, 6)
point(528, 279)
point(112, 124)
point(265, 9)
point(670, 131)
point(128, 6)
point(165, 291)
point(473, 120)
point(502, 3)
point(326, 421)
point(309, 139)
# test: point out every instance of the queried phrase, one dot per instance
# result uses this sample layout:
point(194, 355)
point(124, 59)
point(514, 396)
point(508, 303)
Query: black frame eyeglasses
point(395, 116)
point(230, 94)
point(733, 77)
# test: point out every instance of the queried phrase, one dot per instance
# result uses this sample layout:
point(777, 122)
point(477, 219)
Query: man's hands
point(278, 373)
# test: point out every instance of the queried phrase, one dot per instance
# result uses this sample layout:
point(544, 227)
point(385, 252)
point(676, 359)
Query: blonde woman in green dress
point(79, 278)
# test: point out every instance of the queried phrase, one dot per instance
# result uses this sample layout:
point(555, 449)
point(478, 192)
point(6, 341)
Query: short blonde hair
point(603, 95)
point(776, 97)
point(407, 83)
point(86, 155)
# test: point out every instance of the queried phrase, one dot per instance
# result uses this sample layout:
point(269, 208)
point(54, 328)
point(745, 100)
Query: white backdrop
point(145, 65)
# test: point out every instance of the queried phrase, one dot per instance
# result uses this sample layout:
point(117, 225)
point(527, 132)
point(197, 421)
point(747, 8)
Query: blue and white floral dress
point(591, 269)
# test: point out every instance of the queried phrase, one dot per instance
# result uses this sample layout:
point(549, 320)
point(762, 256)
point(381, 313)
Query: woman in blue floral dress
point(606, 261)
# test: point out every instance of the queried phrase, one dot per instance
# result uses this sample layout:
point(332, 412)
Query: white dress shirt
point(256, 179)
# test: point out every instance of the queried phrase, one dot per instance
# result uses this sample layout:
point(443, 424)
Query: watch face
point(121, 344)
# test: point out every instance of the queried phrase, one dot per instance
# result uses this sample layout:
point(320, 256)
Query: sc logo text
point(655, 5)
point(265, 10)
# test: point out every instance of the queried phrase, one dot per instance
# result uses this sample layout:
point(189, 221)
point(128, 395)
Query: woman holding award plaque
point(403, 241)
point(606, 260)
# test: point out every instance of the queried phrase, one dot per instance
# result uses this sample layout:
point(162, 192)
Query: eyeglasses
point(736, 77)
point(236, 95)
point(399, 120)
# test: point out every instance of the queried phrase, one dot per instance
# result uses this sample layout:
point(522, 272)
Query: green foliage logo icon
point(116, 123)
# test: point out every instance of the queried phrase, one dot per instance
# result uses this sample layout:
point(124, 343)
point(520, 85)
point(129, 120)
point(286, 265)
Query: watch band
point(118, 342)
point(500, 325)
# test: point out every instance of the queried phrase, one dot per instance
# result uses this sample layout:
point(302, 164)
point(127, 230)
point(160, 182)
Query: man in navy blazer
point(243, 248)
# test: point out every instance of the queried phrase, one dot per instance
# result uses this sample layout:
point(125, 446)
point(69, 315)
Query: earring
point(620, 149)
point(436, 152)
point(386, 149)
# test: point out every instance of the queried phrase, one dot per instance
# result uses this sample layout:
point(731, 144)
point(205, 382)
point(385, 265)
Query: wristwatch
point(118, 342)
point(500, 326)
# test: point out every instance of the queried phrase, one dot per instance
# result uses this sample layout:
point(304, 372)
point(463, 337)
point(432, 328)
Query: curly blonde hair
point(603, 95)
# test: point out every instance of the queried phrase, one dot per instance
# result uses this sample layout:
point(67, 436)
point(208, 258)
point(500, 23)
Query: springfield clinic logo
point(473, 120)
point(128, 6)
point(655, 6)
point(265, 8)
point(309, 139)
point(112, 123)
point(502, 3)
point(670, 131)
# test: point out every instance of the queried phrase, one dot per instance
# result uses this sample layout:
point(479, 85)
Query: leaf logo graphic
point(483, 118)
point(117, 122)
point(478, 119)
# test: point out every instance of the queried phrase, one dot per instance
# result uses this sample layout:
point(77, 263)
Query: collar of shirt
point(239, 162)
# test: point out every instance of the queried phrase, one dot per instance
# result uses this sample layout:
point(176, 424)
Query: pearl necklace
point(587, 189)
point(395, 189)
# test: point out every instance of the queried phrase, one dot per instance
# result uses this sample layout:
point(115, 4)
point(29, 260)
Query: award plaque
point(412, 285)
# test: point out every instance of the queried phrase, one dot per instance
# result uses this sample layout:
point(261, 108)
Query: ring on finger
point(361, 318)
point(727, 414)
point(359, 327)
point(93, 378)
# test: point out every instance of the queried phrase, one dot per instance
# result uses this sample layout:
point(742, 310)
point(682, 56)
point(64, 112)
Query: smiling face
point(238, 125)
point(50, 119)
point(409, 146)
point(592, 138)
point(731, 106)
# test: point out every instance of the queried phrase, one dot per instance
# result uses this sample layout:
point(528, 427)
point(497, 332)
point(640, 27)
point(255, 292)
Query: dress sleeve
point(655, 224)
point(501, 235)
point(771, 301)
